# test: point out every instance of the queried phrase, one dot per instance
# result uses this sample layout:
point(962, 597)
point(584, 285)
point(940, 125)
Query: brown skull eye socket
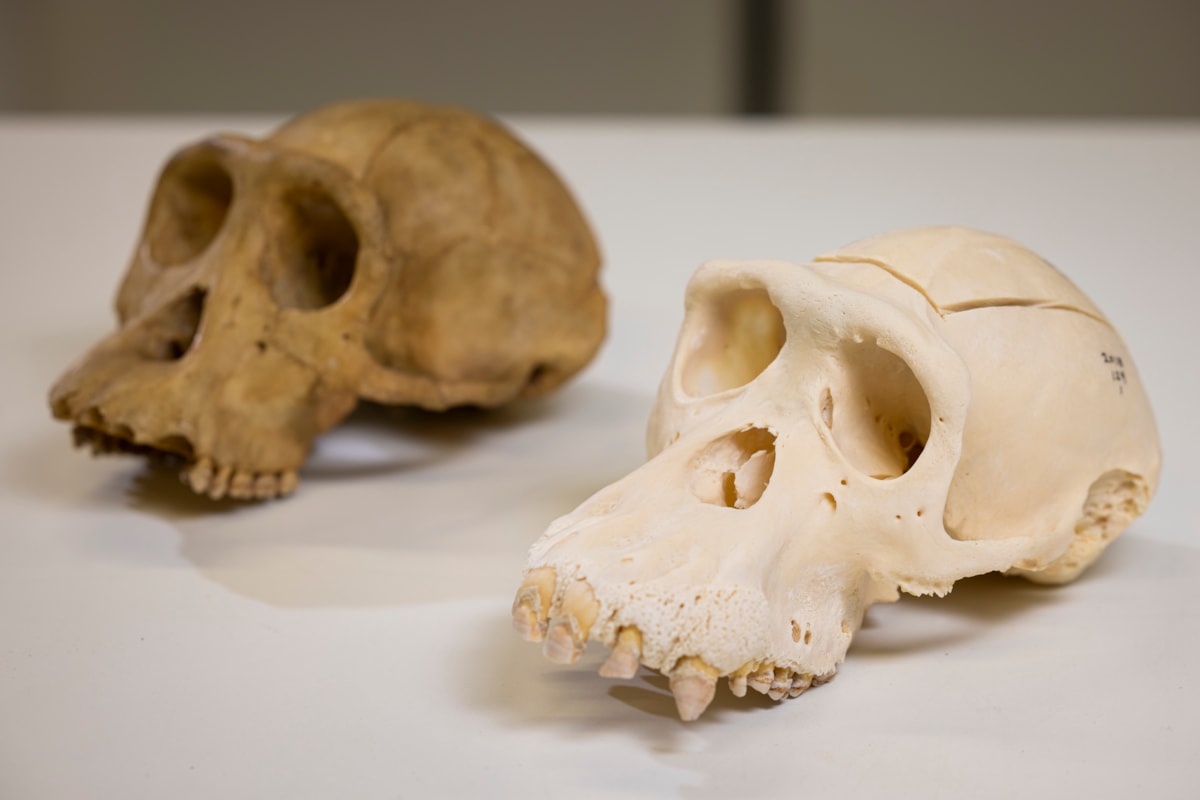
point(742, 332)
point(190, 205)
point(877, 411)
point(313, 251)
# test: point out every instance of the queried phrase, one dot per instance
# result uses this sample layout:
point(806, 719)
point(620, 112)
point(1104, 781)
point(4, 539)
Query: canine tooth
point(566, 638)
point(694, 685)
point(200, 475)
point(532, 604)
point(623, 661)
point(580, 602)
point(220, 482)
point(565, 641)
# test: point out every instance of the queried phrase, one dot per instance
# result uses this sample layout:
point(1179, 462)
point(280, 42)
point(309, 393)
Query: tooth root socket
point(694, 684)
point(626, 655)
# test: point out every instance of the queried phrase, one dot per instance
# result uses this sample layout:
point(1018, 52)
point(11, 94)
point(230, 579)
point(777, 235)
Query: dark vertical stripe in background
point(761, 35)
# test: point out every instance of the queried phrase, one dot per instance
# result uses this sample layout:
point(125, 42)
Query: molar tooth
point(694, 685)
point(760, 680)
point(800, 684)
point(626, 655)
point(266, 486)
point(532, 604)
point(818, 680)
point(242, 485)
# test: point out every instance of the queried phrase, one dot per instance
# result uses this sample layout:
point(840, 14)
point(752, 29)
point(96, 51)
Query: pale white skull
point(916, 408)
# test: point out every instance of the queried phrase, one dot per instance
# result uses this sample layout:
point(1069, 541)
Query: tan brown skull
point(379, 250)
point(913, 409)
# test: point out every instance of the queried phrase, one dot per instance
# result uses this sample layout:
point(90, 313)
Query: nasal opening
point(734, 470)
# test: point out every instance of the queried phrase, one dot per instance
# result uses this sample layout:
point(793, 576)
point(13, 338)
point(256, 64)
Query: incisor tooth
point(694, 685)
point(565, 642)
point(266, 486)
point(580, 602)
point(623, 661)
point(526, 623)
point(566, 638)
point(532, 604)
point(242, 485)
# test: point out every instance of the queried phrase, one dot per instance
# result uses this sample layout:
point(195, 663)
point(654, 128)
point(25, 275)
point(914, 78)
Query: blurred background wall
point(704, 57)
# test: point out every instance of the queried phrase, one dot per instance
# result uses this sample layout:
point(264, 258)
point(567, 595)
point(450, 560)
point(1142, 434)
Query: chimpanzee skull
point(913, 409)
point(382, 250)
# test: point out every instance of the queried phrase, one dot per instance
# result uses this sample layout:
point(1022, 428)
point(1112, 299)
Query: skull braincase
point(383, 250)
point(910, 410)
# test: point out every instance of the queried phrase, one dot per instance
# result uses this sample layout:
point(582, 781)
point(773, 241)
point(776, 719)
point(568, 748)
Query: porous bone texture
point(916, 408)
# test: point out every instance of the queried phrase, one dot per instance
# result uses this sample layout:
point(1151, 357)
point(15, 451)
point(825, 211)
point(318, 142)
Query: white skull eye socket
point(741, 333)
point(314, 250)
point(877, 411)
point(190, 205)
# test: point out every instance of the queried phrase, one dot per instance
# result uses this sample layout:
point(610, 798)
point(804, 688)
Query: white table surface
point(354, 642)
